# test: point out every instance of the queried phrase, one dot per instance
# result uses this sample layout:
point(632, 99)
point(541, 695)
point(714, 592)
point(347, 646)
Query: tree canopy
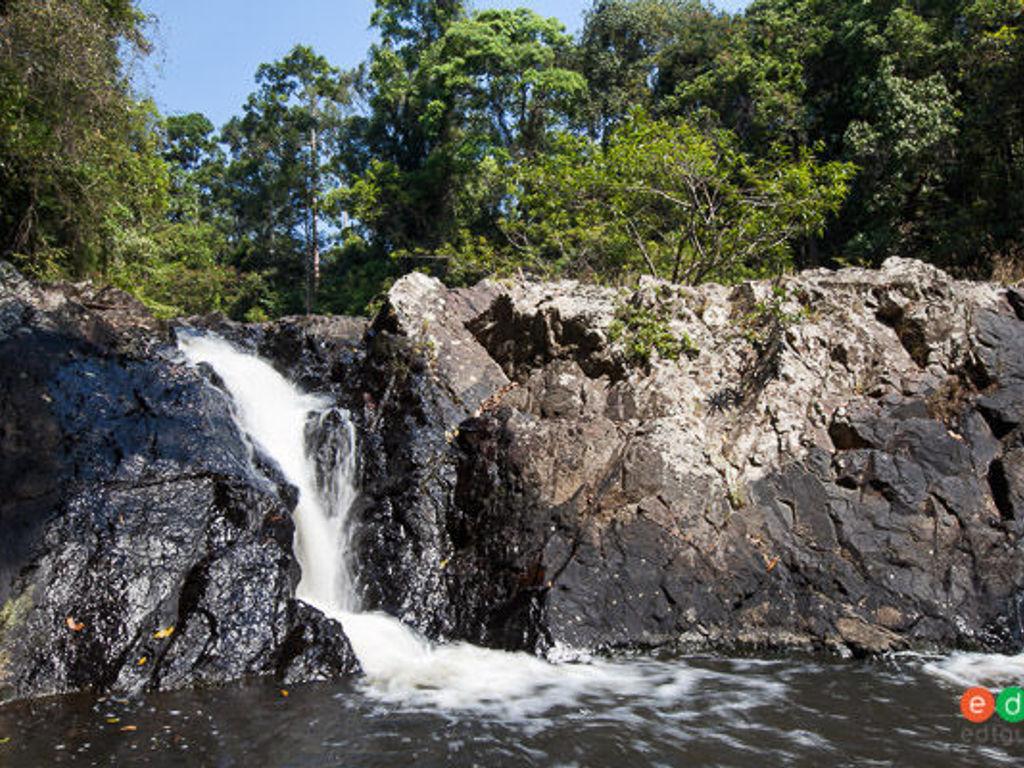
point(666, 138)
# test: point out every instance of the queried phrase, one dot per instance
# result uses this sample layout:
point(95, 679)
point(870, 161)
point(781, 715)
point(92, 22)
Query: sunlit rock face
point(835, 462)
point(143, 546)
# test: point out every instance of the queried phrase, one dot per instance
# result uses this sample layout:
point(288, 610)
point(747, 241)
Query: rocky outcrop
point(836, 463)
point(142, 547)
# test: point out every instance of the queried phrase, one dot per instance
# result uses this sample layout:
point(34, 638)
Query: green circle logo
point(1010, 705)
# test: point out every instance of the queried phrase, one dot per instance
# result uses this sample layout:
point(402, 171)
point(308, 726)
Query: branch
point(642, 247)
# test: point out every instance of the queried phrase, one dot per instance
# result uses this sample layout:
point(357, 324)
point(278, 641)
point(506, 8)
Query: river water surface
point(695, 711)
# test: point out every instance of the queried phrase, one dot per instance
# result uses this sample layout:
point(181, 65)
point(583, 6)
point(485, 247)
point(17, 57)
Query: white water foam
point(400, 665)
point(966, 670)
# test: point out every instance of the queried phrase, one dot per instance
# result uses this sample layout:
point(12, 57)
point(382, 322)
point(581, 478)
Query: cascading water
point(399, 664)
point(427, 704)
point(274, 414)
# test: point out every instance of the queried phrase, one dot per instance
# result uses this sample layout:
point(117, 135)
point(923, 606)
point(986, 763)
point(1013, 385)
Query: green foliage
point(924, 97)
point(78, 163)
point(355, 277)
point(175, 288)
point(666, 198)
point(283, 159)
point(769, 316)
point(503, 71)
point(401, 157)
point(452, 104)
point(669, 139)
point(754, 81)
point(643, 332)
point(911, 124)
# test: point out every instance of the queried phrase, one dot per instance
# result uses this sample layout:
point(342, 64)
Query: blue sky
point(207, 50)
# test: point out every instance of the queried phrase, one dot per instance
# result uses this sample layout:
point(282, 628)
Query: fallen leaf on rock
point(129, 728)
point(5, 740)
point(142, 661)
point(772, 563)
point(73, 624)
point(284, 693)
point(164, 633)
point(113, 720)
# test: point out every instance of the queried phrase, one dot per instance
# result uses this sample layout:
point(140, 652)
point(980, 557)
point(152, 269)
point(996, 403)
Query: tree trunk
point(313, 267)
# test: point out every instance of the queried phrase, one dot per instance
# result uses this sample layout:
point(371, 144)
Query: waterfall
point(276, 416)
point(399, 664)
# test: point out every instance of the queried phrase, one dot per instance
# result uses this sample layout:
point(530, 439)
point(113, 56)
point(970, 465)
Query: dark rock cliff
point(837, 463)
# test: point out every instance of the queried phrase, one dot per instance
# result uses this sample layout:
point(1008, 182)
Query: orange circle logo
point(978, 705)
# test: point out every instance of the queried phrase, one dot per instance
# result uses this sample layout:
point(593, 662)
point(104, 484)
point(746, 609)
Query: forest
point(667, 139)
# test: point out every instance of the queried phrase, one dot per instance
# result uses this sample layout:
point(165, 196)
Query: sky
point(207, 51)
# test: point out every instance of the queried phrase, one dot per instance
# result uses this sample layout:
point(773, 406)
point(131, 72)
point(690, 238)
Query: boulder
point(143, 548)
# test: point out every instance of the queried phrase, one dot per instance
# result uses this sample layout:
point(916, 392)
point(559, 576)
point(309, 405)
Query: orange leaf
point(73, 625)
point(771, 565)
point(142, 661)
point(284, 693)
point(129, 728)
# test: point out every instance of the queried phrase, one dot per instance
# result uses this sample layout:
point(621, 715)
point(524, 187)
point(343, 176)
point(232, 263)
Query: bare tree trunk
point(313, 266)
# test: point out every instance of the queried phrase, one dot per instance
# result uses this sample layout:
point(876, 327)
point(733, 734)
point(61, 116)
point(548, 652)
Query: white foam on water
point(982, 669)
point(403, 667)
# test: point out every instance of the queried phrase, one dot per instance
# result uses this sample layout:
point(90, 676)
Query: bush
point(642, 333)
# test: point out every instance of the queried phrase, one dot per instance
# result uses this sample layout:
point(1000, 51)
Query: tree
point(908, 128)
point(452, 103)
point(756, 80)
point(633, 53)
point(665, 198)
point(402, 172)
point(283, 154)
point(79, 163)
point(411, 25)
point(924, 97)
point(506, 73)
point(987, 183)
point(196, 163)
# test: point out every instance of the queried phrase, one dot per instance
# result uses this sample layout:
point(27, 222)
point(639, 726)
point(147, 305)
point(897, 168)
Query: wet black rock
point(320, 354)
point(141, 548)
